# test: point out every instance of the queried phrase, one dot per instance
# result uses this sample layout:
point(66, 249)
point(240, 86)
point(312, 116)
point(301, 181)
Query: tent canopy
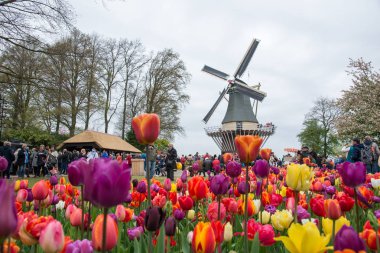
point(98, 140)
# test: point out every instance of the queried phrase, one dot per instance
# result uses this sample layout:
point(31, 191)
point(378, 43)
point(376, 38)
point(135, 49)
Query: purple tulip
point(261, 168)
point(362, 199)
point(243, 187)
point(113, 216)
point(135, 233)
point(195, 167)
point(330, 190)
point(376, 199)
point(353, 174)
point(154, 218)
point(302, 213)
point(76, 171)
point(141, 187)
point(128, 199)
point(184, 176)
point(275, 170)
point(170, 226)
point(84, 246)
point(233, 169)
point(217, 168)
point(8, 217)
point(3, 164)
point(219, 184)
point(258, 188)
point(270, 209)
point(53, 180)
point(154, 187)
point(179, 214)
point(55, 200)
point(347, 238)
point(107, 183)
point(377, 213)
point(30, 195)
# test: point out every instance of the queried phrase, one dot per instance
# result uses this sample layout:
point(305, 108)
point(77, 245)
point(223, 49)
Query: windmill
point(239, 118)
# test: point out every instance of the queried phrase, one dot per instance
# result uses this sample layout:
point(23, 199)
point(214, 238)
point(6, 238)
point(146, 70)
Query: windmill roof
point(101, 140)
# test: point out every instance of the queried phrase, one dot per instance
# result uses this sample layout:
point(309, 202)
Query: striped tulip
point(146, 128)
point(203, 238)
point(248, 147)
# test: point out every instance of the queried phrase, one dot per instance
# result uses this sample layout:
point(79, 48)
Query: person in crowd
point(27, 161)
point(92, 154)
point(183, 161)
point(54, 152)
point(51, 161)
point(215, 164)
point(161, 165)
point(370, 155)
point(21, 161)
point(170, 162)
point(41, 160)
point(33, 161)
point(6, 152)
point(104, 154)
point(151, 160)
point(64, 161)
point(354, 154)
point(207, 165)
point(82, 154)
point(273, 160)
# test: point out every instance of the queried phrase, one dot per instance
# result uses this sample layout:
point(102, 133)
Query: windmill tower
point(239, 118)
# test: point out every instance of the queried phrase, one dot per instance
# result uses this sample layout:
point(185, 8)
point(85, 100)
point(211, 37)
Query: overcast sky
point(303, 54)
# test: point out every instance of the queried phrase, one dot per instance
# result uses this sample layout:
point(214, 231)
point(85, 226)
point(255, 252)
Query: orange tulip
point(13, 248)
point(248, 147)
point(332, 209)
point(203, 238)
point(197, 188)
point(146, 127)
point(40, 190)
point(241, 207)
point(265, 153)
point(111, 230)
point(227, 157)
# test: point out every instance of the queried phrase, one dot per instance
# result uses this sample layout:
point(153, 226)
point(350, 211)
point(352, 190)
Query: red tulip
point(248, 147)
point(346, 203)
point(146, 128)
point(218, 229)
point(317, 205)
point(111, 233)
point(40, 190)
point(265, 153)
point(197, 188)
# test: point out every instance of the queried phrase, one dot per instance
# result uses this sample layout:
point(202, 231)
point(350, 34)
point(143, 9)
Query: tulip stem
point(1, 241)
point(295, 206)
point(82, 224)
point(261, 204)
point(356, 211)
point(246, 209)
point(104, 229)
point(89, 219)
point(333, 233)
point(219, 207)
point(148, 173)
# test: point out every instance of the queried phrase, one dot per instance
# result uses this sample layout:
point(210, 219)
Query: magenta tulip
point(233, 169)
point(261, 169)
point(3, 163)
point(8, 217)
point(76, 171)
point(353, 174)
point(219, 184)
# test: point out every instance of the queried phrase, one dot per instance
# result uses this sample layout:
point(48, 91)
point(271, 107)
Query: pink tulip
point(22, 195)
point(120, 212)
point(69, 210)
point(76, 217)
point(40, 190)
point(52, 238)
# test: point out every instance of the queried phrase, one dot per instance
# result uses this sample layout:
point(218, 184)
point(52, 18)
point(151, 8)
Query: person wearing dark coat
point(170, 162)
point(207, 166)
point(7, 152)
point(20, 162)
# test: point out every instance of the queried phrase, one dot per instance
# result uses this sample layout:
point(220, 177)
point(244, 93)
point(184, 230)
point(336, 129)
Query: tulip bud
point(120, 212)
point(22, 195)
point(40, 190)
point(264, 217)
point(219, 184)
point(167, 184)
point(179, 214)
point(135, 233)
point(76, 217)
point(154, 218)
point(228, 233)
point(184, 176)
point(332, 209)
point(233, 169)
point(3, 163)
point(146, 127)
point(261, 168)
point(69, 210)
point(190, 236)
point(111, 233)
point(52, 238)
point(257, 203)
point(185, 202)
point(191, 214)
point(53, 180)
point(170, 226)
point(141, 187)
point(243, 187)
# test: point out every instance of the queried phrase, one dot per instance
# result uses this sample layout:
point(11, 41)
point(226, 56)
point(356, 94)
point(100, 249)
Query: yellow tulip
point(281, 219)
point(283, 191)
point(174, 188)
point(305, 238)
point(327, 224)
point(264, 217)
point(17, 185)
point(298, 177)
point(191, 214)
point(228, 232)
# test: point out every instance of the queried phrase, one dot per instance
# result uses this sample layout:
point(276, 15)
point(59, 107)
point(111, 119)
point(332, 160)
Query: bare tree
point(25, 22)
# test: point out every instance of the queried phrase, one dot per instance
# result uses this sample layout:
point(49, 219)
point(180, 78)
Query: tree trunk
point(124, 121)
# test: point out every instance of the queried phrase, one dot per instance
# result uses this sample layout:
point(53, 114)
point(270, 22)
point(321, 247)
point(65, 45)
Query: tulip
point(40, 190)
point(218, 229)
point(302, 214)
point(353, 174)
point(167, 184)
point(227, 157)
point(69, 210)
point(250, 206)
point(120, 212)
point(185, 202)
point(330, 190)
point(30, 195)
point(197, 188)
point(135, 233)
point(317, 205)
point(184, 176)
point(265, 153)
point(76, 171)
point(83, 246)
point(12, 249)
point(52, 238)
point(8, 215)
point(327, 225)
point(195, 167)
point(146, 128)
point(281, 219)
point(111, 233)
point(266, 235)
point(141, 187)
point(154, 218)
point(191, 214)
point(248, 147)
point(179, 214)
point(233, 169)
point(3, 164)
point(348, 239)
point(76, 217)
point(22, 195)
point(53, 180)
point(228, 233)
point(270, 209)
point(261, 168)
point(304, 238)
point(375, 183)
point(219, 184)
point(212, 211)
point(107, 182)
point(264, 217)
point(203, 238)
point(332, 209)
point(24, 184)
point(298, 177)
point(170, 226)
point(257, 203)
point(243, 187)
point(55, 200)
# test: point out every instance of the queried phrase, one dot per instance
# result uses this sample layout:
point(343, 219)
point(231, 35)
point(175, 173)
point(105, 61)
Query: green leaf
point(184, 243)
point(255, 244)
point(136, 246)
point(161, 241)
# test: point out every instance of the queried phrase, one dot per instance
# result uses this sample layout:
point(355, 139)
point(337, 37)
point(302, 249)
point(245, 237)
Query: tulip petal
point(288, 243)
